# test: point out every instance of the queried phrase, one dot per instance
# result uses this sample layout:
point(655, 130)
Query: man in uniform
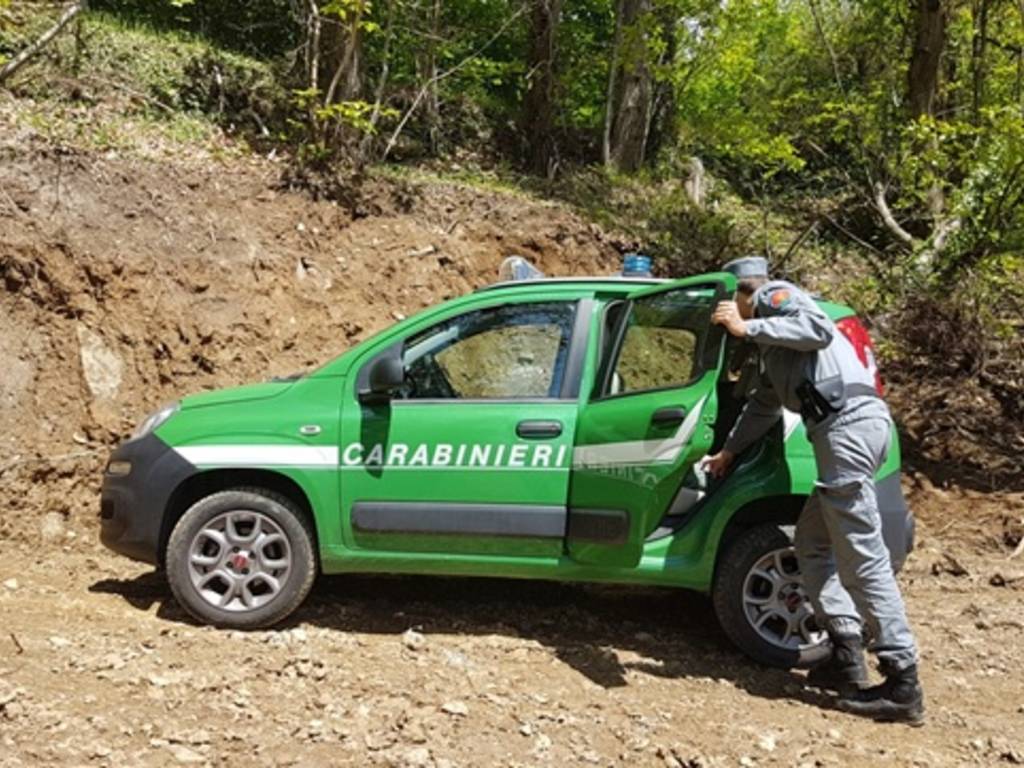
point(808, 367)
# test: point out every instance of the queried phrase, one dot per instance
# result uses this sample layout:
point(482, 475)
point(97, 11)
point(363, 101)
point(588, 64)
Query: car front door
point(471, 455)
point(648, 418)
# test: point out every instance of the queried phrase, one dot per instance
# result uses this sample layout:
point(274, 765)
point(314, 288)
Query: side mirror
point(386, 374)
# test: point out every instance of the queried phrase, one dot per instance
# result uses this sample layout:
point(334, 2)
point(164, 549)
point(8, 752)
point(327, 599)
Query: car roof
point(615, 281)
point(626, 285)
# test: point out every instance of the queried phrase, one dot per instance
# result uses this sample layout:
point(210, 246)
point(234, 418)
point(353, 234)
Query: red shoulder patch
point(779, 299)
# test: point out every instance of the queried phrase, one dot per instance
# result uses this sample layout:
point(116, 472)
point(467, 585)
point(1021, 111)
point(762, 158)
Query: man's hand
point(718, 464)
point(727, 314)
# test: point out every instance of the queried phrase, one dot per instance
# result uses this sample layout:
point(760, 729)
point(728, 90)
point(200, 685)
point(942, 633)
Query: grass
point(116, 85)
point(504, 182)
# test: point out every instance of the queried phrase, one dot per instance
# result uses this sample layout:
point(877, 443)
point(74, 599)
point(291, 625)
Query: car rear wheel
point(760, 602)
point(242, 559)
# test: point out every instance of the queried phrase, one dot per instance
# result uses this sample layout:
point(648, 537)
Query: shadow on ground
point(673, 633)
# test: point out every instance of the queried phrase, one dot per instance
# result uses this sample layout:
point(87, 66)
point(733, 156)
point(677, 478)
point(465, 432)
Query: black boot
point(845, 671)
point(899, 699)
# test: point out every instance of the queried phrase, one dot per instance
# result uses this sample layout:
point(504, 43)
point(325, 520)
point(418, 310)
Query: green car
point(544, 429)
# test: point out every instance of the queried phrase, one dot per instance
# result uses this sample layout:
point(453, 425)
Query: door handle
point(539, 430)
point(667, 417)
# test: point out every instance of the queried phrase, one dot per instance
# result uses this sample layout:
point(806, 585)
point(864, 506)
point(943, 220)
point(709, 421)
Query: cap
point(748, 266)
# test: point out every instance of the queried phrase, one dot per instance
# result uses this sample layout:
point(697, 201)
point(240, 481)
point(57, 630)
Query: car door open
point(649, 417)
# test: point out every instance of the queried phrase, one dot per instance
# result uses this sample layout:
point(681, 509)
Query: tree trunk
point(662, 121)
point(632, 107)
point(979, 14)
point(538, 118)
point(343, 61)
point(311, 44)
point(925, 61)
point(613, 73)
point(367, 142)
point(426, 64)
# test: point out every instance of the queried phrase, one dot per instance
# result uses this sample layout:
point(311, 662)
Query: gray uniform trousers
point(845, 564)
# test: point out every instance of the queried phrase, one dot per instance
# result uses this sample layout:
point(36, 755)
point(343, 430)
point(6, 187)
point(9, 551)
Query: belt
point(860, 390)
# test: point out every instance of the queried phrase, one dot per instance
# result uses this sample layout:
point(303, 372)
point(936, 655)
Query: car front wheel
point(242, 559)
point(760, 602)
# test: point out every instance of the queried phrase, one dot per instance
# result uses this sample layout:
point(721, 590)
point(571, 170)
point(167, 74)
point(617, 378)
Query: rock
point(413, 640)
point(457, 708)
point(454, 659)
point(51, 528)
point(7, 696)
point(11, 584)
point(767, 742)
point(101, 365)
point(185, 755)
point(195, 738)
point(111, 661)
point(378, 740)
point(59, 642)
point(417, 757)
point(542, 743)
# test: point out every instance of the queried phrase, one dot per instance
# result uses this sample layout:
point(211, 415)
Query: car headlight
point(154, 420)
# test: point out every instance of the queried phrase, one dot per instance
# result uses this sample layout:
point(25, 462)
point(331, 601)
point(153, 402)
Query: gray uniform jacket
point(797, 342)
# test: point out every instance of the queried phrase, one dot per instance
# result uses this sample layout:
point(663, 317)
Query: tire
point(226, 571)
point(757, 581)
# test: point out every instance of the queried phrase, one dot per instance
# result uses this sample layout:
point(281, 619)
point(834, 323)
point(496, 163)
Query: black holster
point(828, 397)
point(821, 400)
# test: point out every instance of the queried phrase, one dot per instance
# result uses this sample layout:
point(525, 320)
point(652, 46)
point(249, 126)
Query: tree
point(333, 50)
point(426, 64)
point(538, 118)
point(926, 58)
point(631, 87)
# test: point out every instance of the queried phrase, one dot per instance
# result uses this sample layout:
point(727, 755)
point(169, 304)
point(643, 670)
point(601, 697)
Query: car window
point(512, 351)
point(662, 342)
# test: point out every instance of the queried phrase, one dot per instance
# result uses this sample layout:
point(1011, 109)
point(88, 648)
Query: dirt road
point(99, 666)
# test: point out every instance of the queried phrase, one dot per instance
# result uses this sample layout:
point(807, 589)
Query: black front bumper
point(133, 506)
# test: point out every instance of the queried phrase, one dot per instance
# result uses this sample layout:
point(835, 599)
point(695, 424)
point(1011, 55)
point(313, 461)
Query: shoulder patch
point(779, 298)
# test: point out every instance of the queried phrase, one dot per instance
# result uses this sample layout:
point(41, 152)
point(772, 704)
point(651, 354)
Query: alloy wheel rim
point(239, 561)
point(775, 604)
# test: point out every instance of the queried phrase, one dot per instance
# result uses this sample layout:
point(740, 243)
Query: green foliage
point(262, 28)
point(354, 114)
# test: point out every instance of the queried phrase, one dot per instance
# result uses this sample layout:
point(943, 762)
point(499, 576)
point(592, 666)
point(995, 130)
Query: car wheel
point(761, 604)
point(241, 559)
